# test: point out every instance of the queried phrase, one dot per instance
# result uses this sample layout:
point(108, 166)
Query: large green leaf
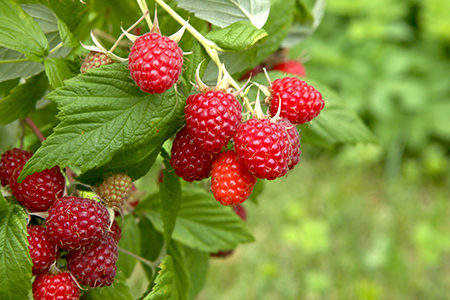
point(151, 244)
point(165, 287)
point(15, 261)
point(58, 70)
point(104, 113)
point(237, 36)
point(130, 241)
point(170, 197)
point(225, 12)
point(19, 32)
point(15, 70)
point(197, 262)
point(202, 222)
point(22, 99)
point(118, 291)
point(182, 275)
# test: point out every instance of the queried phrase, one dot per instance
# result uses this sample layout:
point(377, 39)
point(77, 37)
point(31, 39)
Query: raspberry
point(95, 265)
point(43, 253)
point(231, 183)
point(115, 190)
point(11, 160)
point(294, 143)
point(38, 191)
point(74, 222)
point(155, 62)
point(189, 161)
point(212, 118)
point(263, 148)
point(115, 231)
point(51, 287)
point(300, 102)
point(293, 67)
point(95, 59)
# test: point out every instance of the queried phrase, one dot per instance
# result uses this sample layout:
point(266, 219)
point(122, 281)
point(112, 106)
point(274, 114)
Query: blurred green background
point(364, 221)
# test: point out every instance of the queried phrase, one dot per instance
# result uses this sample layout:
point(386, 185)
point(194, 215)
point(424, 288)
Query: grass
point(333, 231)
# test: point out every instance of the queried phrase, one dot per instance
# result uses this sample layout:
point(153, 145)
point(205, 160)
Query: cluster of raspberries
point(78, 229)
point(217, 142)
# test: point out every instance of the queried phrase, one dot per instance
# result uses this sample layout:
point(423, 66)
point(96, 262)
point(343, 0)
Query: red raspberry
point(212, 118)
point(231, 183)
point(55, 287)
point(11, 160)
point(115, 231)
point(293, 67)
point(74, 222)
point(43, 253)
point(300, 102)
point(95, 265)
point(38, 191)
point(94, 60)
point(115, 190)
point(294, 143)
point(189, 161)
point(263, 148)
point(155, 62)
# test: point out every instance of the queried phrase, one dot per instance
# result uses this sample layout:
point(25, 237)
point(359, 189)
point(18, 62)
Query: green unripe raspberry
point(115, 190)
point(94, 60)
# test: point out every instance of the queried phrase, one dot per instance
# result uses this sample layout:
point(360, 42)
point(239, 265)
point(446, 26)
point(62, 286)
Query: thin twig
point(35, 129)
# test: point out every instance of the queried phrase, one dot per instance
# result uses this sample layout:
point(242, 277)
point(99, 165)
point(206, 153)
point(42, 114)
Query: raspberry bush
point(91, 113)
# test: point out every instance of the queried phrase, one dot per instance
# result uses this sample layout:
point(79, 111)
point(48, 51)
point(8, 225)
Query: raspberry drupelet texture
point(262, 147)
point(115, 190)
point(212, 118)
point(294, 143)
point(11, 160)
point(300, 102)
point(38, 191)
point(231, 183)
point(189, 161)
point(95, 265)
point(55, 287)
point(94, 60)
point(155, 62)
point(42, 251)
point(74, 222)
point(115, 231)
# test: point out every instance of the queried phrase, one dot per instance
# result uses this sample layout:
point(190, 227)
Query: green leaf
point(73, 13)
point(277, 27)
point(118, 291)
point(130, 241)
point(103, 113)
point(191, 62)
point(224, 12)
point(170, 197)
point(19, 32)
point(57, 70)
point(182, 275)
point(22, 99)
point(165, 287)
point(15, 261)
point(197, 263)
point(237, 36)
point(66, 35)
point(151, 243)
point(305, 22)
point(16, 70)
point(202, 222)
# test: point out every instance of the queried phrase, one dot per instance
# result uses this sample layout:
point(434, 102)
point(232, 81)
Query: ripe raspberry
point(115, 190)
point(189, 161)
point(55, 287)
point(11, 160)
point(95, 265)
point(94, 60)
point(231, 183)
point(263, 148)
point(38, 191)
point(300, 102)
point(43, 253)
point(115, 231)
point(74, 222)
point(293, 67)
point(155, 62)
point(294, 143)
point(212, 118)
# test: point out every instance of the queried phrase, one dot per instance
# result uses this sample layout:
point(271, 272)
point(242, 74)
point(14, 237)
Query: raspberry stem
point(211, 48)
point(152, 265)
point(35, 129)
